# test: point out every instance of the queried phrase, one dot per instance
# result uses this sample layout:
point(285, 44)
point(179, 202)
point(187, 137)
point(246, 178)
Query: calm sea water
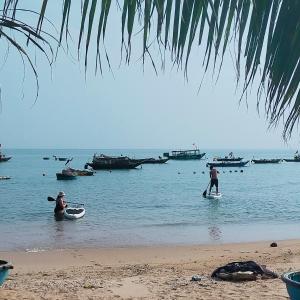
point(155, 205)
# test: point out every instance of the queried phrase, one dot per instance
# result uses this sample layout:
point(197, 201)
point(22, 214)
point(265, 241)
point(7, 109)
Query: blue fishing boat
point(231, 164)
point(292, 281)
point(4, 270)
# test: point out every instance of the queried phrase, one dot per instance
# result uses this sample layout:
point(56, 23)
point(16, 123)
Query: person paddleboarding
point(213, 179)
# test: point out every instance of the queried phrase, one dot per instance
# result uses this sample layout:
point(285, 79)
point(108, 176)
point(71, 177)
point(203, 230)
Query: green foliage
point(266, 35)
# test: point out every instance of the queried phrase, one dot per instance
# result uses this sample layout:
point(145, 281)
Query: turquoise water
point(155, 205)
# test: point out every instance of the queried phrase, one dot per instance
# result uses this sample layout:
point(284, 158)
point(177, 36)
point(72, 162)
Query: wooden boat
point(292, 159)
point(82, 172)
point(266, 161)
point(104, 162)
point(230, 157)
point(3, 158)
point(155, 160)
point(231, 164)
point(184, 154)
point(62, 158)
point(152, 160)
point(60, 176)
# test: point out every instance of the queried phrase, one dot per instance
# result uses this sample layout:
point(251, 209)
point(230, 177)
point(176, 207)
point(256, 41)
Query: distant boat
point(222, 164)
point(184, 154)
point(3, 158)
point(62, 158)
point(82, 172)
point(292, 159)
point(104, 162)
point(61, 176)
point(152, 160)
point(66, 174)
point(295, 159)
point(266, 161)
point(230, 157)
point(46, 158)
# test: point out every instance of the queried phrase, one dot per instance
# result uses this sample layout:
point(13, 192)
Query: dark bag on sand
point(243, 271)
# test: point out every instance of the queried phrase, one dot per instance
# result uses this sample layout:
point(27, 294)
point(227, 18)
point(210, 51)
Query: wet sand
point(146, 272)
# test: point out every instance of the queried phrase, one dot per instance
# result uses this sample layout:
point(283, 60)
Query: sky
point(129, 108)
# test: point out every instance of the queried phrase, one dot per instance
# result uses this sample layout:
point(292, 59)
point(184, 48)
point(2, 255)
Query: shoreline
point(157, 272)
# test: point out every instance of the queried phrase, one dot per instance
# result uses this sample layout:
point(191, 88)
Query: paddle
point(52, 199)
point(205, 192)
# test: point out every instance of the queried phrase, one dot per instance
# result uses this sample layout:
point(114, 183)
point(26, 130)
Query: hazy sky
point(129, 109)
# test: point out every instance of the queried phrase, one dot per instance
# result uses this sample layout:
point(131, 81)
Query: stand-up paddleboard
point(214, 195)
point(73, 213)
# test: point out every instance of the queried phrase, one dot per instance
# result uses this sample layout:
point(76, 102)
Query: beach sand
point(145, 272)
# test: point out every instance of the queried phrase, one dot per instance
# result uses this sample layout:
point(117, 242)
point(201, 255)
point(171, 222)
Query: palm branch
point(266, 34)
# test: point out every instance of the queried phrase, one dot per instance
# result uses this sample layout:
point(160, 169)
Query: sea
point(152, 205)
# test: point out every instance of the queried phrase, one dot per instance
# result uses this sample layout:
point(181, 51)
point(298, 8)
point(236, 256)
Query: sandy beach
point(146, 272)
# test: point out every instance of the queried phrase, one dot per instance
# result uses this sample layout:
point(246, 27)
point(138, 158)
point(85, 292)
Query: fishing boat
point(3, 158)
point(152, 160)
point(184, 154)
point(82, 172)
point(66, 174)
point(104, 162)
point(230, 157)
point(266, 161)
point(295, 159)
point(231, 164)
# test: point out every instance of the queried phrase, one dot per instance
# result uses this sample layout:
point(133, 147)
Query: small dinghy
point(73, 213)
point(214, 195)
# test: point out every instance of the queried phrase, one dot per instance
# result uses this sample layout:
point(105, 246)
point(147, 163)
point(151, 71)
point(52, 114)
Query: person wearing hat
point(60, 203)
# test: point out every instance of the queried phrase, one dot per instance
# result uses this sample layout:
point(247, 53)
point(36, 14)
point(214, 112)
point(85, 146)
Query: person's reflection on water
point(214, 231)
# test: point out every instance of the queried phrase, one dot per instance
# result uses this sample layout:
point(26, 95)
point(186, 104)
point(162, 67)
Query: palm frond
point(266, 35)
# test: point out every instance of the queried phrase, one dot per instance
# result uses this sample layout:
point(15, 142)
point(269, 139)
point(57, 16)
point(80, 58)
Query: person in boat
point(61, 203)
point(213, 174)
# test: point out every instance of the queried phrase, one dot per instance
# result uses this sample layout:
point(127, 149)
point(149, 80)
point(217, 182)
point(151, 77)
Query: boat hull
point(60, 176)
point(228, 164)
point(228, 159)
point(114, 166)
point(186, 157)
point(266, 161)
point(291, 160)
point(3, 159)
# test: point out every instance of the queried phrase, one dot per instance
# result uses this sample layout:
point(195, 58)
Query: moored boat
point(266, 161)
point(184, 154)
point(152, 160)
point(104, 162)
point(61, 176)
point(292, 159)
point(222, 164)
point(46, 158)
point(230, 157)
point(3, 158)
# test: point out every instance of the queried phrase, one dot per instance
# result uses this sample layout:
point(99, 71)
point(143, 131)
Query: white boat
point(73, 213)
point(214, 195)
